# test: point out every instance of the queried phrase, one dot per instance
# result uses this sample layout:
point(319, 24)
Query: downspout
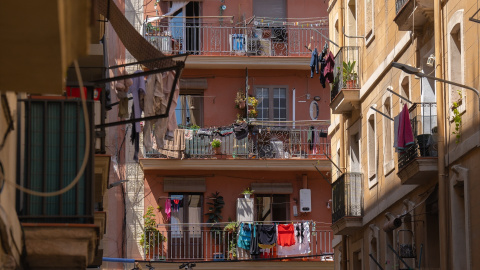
point(442, 180)
point(341, 39)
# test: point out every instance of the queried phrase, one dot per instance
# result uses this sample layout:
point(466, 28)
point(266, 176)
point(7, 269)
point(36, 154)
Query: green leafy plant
point(216, 204)
point(231, 230)
point(240, 100)
point(216, 143)
point(247, 191)
point(151, 235)
point(349, 73)
point(457, 118)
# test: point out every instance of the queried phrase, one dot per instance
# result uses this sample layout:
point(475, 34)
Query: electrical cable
point(85, 157)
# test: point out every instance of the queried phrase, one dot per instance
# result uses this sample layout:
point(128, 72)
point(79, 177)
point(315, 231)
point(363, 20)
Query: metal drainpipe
point(345, 255)
point(442, 180)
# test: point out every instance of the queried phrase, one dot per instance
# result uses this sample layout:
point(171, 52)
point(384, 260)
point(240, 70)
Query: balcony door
point(185, 236)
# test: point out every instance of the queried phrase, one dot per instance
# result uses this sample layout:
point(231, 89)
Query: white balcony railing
point(201, 241)
point(214, 38)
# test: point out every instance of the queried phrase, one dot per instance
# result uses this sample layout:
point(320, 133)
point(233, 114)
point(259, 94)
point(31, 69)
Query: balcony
point(59, 230)
point(347, 197)
point(204, 242)
point(345, 94)
point(272, 147)
point(229, 39)
point(406, 10)
point(418, 163)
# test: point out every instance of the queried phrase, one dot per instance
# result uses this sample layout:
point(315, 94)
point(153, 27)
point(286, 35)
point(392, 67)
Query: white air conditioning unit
point(305, 200)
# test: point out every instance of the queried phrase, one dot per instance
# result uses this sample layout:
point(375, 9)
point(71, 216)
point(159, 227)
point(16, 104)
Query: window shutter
point(272, 188)
point(270, 8)
point(184, 185)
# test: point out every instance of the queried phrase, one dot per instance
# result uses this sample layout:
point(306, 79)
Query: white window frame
point(372, 169)
point(270, 97)
point(369, 33)
point(388, 162)
point(402, 102)
point(456, 19)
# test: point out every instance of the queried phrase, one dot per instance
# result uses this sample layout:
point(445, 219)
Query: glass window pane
point(263, 103)
point(280, 104)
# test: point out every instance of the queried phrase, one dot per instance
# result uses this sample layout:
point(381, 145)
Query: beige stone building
point(414, 208)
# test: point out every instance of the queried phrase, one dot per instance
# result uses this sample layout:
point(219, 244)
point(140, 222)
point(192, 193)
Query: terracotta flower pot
point(241, 104)
point(217, 151)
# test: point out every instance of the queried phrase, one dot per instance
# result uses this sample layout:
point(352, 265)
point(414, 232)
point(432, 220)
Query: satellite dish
point(314, 110)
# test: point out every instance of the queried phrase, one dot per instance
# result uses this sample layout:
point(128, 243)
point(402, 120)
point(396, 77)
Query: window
point(189, 110)
point(272, 103)
point(369, 21)
point(371, 140)
point(404, 89)
point(272, 207)
point(456, 60)
point(374, 247)
point(388, 163)
point(352, 22)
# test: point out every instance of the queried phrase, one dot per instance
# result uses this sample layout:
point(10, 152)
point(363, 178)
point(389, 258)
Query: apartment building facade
point(258, 51)
point(403, 202)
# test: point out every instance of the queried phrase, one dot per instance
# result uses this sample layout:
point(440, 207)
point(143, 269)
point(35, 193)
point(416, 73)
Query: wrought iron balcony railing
point(347, 70)
point(51, 157)
point(202, 241)
point(347, 196)
point(399, 4)
point(423, 118)
point(214, 38)
point(262, 142)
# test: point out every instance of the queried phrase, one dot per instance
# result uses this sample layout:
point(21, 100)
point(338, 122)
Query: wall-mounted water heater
point(305, 200)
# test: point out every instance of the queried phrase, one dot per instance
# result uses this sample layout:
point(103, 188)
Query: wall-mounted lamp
point(329, 204)
point(431, 60)
point(415, 71)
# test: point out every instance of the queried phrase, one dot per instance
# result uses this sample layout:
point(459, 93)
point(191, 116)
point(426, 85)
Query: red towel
point(405, 134)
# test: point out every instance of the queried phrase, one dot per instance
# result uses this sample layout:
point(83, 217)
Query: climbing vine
point(457, 118)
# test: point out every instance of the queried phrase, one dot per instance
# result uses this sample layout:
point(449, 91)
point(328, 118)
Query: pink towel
point(405, 134)
point(168, 208)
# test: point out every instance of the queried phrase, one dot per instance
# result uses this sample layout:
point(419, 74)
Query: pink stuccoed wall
point(224, 84)
point(231, 183)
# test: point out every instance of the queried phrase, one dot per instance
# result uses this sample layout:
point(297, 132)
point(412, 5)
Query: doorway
point(185, 236)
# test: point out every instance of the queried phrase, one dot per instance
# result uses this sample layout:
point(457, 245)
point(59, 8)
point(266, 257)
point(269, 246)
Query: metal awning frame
point(178, 70)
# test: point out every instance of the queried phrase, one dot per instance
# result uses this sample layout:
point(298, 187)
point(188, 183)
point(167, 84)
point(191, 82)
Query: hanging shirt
point(245, 236)
point(286, 235)
point(267, 234)
point(168, 208)
point(329, 67)
point(314, 62)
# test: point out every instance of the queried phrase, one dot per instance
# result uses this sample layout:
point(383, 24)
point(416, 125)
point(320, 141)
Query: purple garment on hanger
point(168, 208)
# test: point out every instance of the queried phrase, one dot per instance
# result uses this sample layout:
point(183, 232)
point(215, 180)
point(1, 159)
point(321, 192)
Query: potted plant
point(349, 75)
point(231, 230)
point(252, 113)
point(247, 192)
point(252, 102)
point(151, 237)
point(215, 206)
point(240, 100)
point(216, 143)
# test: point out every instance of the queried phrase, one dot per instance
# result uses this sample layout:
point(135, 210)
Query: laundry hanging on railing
point(156, 100)
point(137, 90)
point(289, 239)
